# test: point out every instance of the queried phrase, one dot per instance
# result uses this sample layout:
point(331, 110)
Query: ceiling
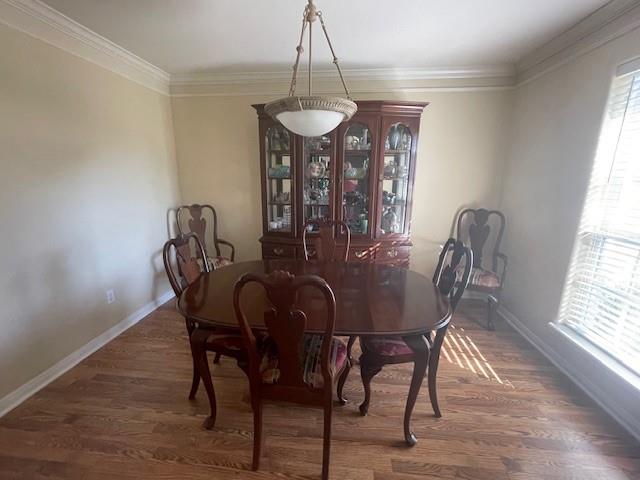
point(193, 36)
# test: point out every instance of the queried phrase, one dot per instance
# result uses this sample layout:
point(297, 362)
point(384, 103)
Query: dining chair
point(325, 248)
point(290, 365)
point(196, 222)
point(475, 227)
point(186, 270)
point(380, 351)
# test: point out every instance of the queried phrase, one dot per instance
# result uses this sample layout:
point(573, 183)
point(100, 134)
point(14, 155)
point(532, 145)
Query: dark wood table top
point(371, 299)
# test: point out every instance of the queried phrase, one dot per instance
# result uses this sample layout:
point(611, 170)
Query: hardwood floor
point(123, 413)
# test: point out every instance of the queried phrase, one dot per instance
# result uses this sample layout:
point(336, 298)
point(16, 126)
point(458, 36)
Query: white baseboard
point(593, 391)
point(22, 393)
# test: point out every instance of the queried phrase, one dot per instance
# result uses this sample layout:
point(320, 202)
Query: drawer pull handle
point(360, 253)
point(278, 251)
point(311, 252)
point(392, 253)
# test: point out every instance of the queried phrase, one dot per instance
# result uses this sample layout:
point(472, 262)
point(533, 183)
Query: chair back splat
point(324, 246)
point(447, 275)
point(188, 267)
point(478, 231)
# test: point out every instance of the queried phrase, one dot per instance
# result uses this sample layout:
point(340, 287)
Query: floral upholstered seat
point(386, 346)
point(481, 277)
point(219, 262)
point(312, 374)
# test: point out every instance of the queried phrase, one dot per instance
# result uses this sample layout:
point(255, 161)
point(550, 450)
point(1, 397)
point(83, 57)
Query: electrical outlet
point(111, 296)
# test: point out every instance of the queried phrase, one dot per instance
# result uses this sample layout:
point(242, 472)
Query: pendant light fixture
point(311, 116)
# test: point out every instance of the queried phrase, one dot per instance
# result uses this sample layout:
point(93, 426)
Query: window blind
point(601, 300)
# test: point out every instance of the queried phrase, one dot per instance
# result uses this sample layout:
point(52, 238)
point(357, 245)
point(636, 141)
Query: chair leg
point(352, 340)
point(491, 307)
point(326, 442)
point(342, 380)
point(216, 359)
point(198, 347)
point(434, 360)
point(257, 434)
point(420, 348)
point(195, 382)
point(367, 372)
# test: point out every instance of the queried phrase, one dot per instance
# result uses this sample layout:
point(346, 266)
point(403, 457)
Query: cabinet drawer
point(274, 250)
point(362, 254)
point(395, 255)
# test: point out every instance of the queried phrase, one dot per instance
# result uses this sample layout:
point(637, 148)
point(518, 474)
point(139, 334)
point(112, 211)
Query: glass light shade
point(310, 123)
point(311, 116)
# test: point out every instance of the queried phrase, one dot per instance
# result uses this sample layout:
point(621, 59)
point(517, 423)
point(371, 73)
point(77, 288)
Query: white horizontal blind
point(601, 300)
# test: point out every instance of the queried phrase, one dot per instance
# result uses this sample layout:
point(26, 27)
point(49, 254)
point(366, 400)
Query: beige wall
point(557, 121)
point(462, 147)
point(87, 173)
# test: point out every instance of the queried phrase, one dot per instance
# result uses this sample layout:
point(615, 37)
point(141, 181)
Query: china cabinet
point(361, 173)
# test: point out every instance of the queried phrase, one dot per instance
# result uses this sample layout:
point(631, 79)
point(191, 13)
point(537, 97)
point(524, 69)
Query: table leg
point(420, 348)
point(198, 345)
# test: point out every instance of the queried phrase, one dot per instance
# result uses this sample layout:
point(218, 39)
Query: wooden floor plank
point(123, 413)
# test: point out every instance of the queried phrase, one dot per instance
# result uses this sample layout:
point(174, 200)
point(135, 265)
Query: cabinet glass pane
point(317, 191)
point(278, 155)
point(395, 183)
point(355, 184)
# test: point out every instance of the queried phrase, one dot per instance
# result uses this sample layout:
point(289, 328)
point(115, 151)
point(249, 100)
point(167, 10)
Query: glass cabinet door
point(356, 199)
point(317, 188)
point(395, 179)
point(278, 148)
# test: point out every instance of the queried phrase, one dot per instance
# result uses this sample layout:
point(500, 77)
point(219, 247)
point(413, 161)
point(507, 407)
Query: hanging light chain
point(309, 15)
point(335, 58)
point(299, 49)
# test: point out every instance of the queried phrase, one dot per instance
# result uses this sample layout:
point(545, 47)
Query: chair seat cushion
point(218, 262)
point(480, 277)
point(386, 346)
point(312, 370)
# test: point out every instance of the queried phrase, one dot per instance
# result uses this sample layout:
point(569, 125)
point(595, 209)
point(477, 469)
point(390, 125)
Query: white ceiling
point(189, 36)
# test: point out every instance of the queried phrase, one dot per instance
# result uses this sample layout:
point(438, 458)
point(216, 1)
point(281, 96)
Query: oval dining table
point(371, 300)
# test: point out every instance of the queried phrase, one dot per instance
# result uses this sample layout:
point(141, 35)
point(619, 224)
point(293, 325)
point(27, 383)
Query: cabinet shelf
point(356, 152)
point(397, 152)
point(397, 179)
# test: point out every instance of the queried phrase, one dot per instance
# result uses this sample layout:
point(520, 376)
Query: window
point(601, 300)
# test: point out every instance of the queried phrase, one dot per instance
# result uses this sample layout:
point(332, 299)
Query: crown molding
point(231, 78)
point(611, 21)
point(372, 80)
point(47, 24)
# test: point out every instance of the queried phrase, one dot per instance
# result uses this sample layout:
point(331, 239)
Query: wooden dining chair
point(193, 218)
point(380, 351)
point(290, 365)
point(186, 270)
point(323, 246)
point(475, 227)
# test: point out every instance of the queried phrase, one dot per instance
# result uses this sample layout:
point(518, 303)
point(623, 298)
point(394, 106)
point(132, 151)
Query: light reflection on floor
point(460, 349)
